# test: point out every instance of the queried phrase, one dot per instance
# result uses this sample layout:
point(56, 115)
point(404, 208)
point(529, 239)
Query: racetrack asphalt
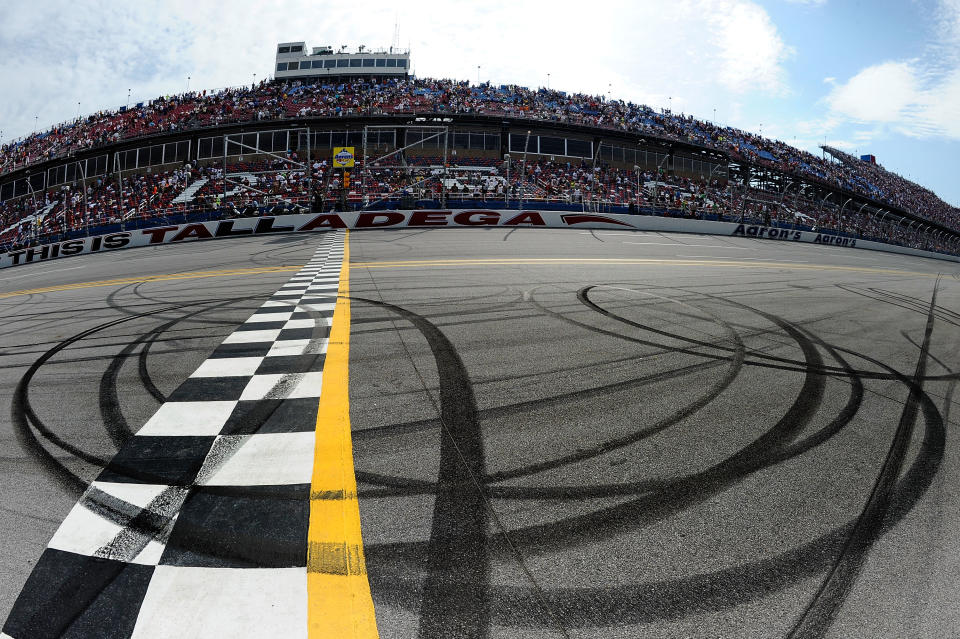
point(555, 433)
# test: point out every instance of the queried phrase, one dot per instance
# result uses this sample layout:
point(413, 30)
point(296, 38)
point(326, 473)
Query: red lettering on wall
point(485, 218)
point(369, 220)
point(198, 231)
point(156, 235)
point(428, 218)
point(527, 217)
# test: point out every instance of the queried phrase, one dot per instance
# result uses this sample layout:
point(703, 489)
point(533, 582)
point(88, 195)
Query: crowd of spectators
point(273, 100)
point(252, 187)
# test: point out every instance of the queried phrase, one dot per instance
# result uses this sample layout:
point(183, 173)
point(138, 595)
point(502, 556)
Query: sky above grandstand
point(877, 76)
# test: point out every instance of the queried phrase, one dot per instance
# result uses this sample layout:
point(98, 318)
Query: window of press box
point(368, 62)
point(281, 66)
point(391, 62)
point(283, 50)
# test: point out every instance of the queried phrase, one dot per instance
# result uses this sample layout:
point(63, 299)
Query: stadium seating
point(63, 209)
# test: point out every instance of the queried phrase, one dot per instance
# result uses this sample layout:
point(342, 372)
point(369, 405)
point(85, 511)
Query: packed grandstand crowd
point(276, 186)
point(61, 209)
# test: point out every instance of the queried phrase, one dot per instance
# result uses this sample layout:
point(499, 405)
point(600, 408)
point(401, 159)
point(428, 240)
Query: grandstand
point(430, 142)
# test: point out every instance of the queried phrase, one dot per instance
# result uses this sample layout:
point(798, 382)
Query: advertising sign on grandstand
point(429, 218)
point(343, 157)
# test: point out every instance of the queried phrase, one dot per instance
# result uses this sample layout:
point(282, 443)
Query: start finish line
point(458, 218)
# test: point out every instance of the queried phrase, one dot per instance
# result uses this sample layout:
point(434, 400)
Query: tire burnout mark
point(455, 596)
point(823, 608)
point(25, 419)
point(709, 592)
point(454, 601)
point(113, 420)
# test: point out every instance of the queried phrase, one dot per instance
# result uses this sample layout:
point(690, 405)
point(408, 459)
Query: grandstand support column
point(656, 181)
point(224, 176)
point(446, 142)
point(506, 190)
point(116, 169)
point(840, 216)
point(523, 175)
point(598, 143)
point(783, 194)
point(712, 170)
point(820, 208)
point(796, 201)
point(860, 211)
point(363, 170)
point(33, 197)
point(86, 203)
point(309, 169)
point(636, 196)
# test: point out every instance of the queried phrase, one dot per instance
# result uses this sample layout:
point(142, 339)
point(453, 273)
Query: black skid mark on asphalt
point(628, 604)
point(521, 407)
point(777, 363)
point(25, 420)
point(912, 304)
point(454, 600)
point(583, 454)
point(824, 607)
point(145, 379)
point(112, 416)
point(675, 495)
point(778, 444)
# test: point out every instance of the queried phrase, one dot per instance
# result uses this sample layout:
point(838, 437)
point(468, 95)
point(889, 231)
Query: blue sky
point(878, 77)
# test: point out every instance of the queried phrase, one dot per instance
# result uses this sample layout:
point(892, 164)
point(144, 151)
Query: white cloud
point(751, 49)
point(919, 97)
point(702, 53)
point(880, 93)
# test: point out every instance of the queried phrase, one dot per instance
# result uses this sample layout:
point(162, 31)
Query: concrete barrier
point(458, 218)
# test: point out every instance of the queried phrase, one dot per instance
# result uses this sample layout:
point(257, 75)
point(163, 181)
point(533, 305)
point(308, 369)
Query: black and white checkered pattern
point(198, 526)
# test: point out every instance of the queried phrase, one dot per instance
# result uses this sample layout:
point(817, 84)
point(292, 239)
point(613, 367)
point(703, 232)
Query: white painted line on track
point(56, 270)
point(721, 246)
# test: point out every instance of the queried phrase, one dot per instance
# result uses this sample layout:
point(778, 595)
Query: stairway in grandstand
point(238, 177)
point(189, 192)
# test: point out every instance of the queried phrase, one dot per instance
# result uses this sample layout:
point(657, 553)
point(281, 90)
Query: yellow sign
point(343, 157)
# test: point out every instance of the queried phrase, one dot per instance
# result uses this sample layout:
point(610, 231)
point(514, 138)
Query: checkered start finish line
point(200, 525)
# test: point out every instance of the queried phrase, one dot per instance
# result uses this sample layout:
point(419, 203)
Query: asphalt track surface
point(556, 433)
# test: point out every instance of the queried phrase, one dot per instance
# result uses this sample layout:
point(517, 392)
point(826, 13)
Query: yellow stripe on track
point(339, 600)
point(155, 278)
point(553, 261)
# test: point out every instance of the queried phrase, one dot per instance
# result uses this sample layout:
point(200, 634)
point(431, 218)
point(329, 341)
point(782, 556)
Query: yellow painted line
point(631, 261)
point(338, 591)
point(154, 278)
